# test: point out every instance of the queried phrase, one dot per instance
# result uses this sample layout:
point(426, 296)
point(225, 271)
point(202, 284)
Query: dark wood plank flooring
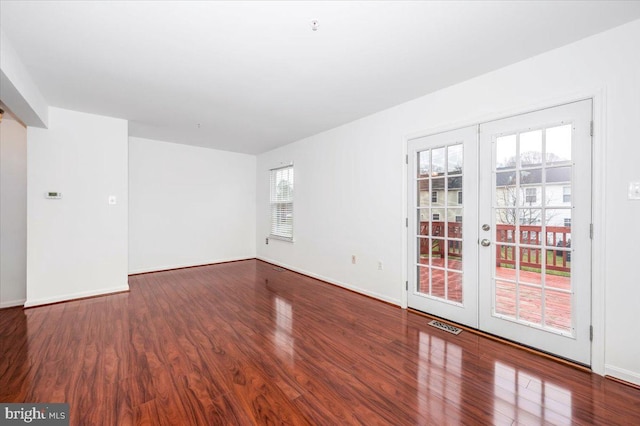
point(246, 343)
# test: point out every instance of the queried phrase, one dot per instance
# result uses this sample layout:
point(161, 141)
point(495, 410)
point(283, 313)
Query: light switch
point(112, 200)
point(634, 190)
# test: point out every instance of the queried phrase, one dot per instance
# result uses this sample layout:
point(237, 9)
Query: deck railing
point(437, 231)
point(556, 239)
point(557, 243)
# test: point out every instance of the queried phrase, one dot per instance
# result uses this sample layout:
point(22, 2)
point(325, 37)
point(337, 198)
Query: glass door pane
point(532, 175)
point(440, 209)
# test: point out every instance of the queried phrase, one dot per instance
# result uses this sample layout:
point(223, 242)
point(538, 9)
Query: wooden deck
point(245, 343)
point(528, 302)
point(557, 303)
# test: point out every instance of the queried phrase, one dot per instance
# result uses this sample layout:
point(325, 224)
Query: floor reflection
point(527, 398)
point(282, 337)
point(438, 377)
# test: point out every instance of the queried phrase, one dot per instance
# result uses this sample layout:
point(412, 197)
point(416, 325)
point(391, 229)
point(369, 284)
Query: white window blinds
point(282, 202)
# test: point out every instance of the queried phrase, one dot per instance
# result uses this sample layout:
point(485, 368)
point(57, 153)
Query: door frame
point(598, 211)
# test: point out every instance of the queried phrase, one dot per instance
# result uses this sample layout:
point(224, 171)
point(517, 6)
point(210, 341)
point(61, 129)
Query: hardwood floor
point(246, 343)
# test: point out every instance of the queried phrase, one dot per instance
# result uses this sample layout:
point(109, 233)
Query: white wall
point(350, 181)
point(13, 212)
point(77, 245)
point(189, 205)
point(347, 200)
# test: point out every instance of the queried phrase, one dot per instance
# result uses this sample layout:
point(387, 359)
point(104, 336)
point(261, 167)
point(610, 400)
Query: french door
point(526, 267)
point(443, 220)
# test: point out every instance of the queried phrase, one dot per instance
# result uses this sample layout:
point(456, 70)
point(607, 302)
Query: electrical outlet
point(353, 259)
point(266, 241)
point(379, 265)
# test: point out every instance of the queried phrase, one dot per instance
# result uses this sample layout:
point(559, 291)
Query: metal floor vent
point(446, 327)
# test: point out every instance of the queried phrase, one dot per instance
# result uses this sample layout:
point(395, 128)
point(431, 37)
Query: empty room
point(319, 212)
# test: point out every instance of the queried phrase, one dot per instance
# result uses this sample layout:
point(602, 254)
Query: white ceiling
point(255, 76)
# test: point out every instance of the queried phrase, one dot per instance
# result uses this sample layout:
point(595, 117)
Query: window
point(459, 197)
point(281, 199)
point(567, 222)
point(566, 194)
point(434, 196)
point(530, 195)
point(436, 216)
point(459, 219)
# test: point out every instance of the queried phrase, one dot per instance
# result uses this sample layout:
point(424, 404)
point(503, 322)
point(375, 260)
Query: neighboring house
point(530, 197)
point(439, 197)
point(445, 198)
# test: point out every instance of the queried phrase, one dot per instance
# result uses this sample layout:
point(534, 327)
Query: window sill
point(280, 238)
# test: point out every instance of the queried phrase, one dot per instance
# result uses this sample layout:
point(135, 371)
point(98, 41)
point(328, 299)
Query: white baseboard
point(73, 296)
point(622, 374)
point(12, 303)
point(146, 270)
point(332, 281)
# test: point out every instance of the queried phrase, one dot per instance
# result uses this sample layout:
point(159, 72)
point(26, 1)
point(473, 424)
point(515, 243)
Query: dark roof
point(534, 176)
point(454, 183)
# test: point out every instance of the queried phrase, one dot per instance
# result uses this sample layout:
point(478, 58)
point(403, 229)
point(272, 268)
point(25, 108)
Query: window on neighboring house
point(434, 196)
point(459, 197)
point(530, 195)
point(459, 219)
point(566, 194)
point(281, 199)
point(436, 216)
point(567, 222)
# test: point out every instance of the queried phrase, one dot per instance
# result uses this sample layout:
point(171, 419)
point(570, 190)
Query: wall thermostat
point(53, 195)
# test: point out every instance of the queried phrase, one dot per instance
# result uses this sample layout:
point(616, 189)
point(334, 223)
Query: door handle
point(485, 242)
